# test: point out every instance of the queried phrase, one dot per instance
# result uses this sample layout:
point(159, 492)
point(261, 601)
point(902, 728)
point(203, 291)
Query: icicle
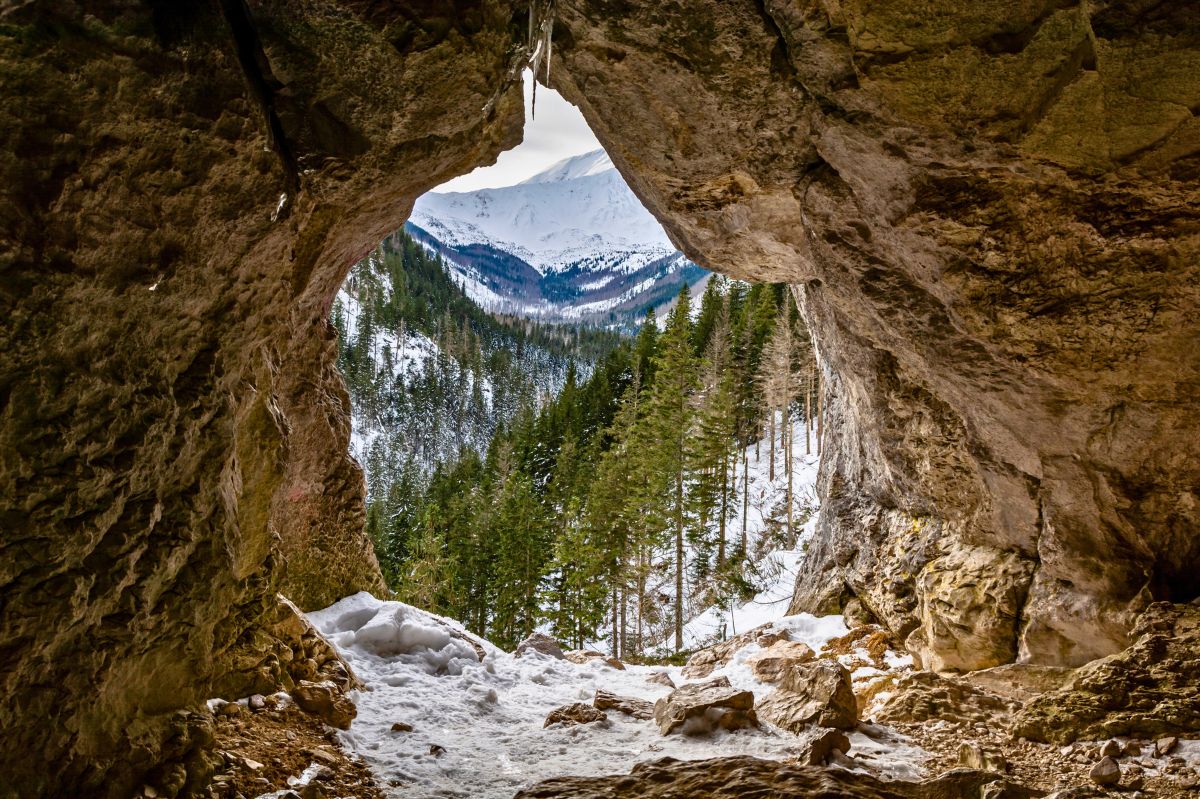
point(549, 46)
point(540, 47)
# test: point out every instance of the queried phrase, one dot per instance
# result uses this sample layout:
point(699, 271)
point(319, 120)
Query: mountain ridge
point(570, 243)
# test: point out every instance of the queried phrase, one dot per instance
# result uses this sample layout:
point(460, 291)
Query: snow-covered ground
point(488, 716)
point(762, 515)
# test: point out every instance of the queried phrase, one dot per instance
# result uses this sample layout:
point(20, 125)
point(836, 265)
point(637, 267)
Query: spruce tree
point(670, 416)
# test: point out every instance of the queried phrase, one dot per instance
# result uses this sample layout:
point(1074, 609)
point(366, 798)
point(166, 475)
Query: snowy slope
point(488, 716)
point(572, 242)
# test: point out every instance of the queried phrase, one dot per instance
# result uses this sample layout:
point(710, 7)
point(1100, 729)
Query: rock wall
point(990, 210)
point(173, 434)
point(991, 215)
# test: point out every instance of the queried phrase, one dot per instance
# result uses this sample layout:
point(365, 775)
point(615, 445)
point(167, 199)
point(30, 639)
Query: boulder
point(973, 755)
point(1106, 772)
point(770, 664)
point(630, 706)
point(704, 662)
point(325, 701)
point(700, 665)
point(1165, 745)
point(574, 713)
point(541, 644)
point(699, 708)
point(812, 693)
point(818, 743)
point(661, 678)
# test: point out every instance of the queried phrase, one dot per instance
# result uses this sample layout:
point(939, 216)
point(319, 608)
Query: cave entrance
point(490, 346)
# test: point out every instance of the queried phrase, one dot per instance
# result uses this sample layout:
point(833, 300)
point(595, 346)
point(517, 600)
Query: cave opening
point(998, 347)
point(514, 284)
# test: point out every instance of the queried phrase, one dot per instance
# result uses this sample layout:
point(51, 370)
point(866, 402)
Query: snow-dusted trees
point(616, 509)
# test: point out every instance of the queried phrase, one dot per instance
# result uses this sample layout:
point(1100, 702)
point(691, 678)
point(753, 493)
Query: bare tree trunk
point(787, 446)
point(808, 412)
point(745, 496)
point(641, 597)
point(771, 438)
point(724, 507)
point(679, 560)
point(820, 411)
point(624, 610)
point(616, 644)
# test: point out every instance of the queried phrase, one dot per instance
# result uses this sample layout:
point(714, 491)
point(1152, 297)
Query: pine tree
point(714, 441)
point(670, 416)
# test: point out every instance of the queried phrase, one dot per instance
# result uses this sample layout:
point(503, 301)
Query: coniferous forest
point(525, 476)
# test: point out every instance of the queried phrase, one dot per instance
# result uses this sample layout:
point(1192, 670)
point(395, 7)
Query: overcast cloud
point(558, 132)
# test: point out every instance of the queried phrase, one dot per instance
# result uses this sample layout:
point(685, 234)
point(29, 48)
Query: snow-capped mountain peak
point(570, 240)
point(578, 210)
point(577, 166)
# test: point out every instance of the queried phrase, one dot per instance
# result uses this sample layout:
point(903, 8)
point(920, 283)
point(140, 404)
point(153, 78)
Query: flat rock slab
point(765, 779)
point(630, 706)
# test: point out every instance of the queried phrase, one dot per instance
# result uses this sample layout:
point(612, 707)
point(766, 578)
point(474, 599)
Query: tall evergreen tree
point(670, 416)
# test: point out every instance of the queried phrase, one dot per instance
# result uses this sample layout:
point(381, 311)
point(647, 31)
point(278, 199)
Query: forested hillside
point(618, 510)
point(431, 375)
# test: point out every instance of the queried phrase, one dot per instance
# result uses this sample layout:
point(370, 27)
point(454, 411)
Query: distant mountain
point(570, 243)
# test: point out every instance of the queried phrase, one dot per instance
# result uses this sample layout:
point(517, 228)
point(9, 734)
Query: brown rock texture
point(768, 779)
point(173, 435)
point(812, 693)
point(991, 215)
point(701, 708)
point(1151, 689)
point(629, 705)
point(575, 713)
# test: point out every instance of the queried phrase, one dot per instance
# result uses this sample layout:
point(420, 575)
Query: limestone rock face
point(282, 650)
point(1149, 690)
point(174, 433)
point(991, 216)
point(970, 600)
point(925, 696)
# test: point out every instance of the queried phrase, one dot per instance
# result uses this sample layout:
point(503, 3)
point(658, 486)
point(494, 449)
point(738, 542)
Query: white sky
point(558, 132)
